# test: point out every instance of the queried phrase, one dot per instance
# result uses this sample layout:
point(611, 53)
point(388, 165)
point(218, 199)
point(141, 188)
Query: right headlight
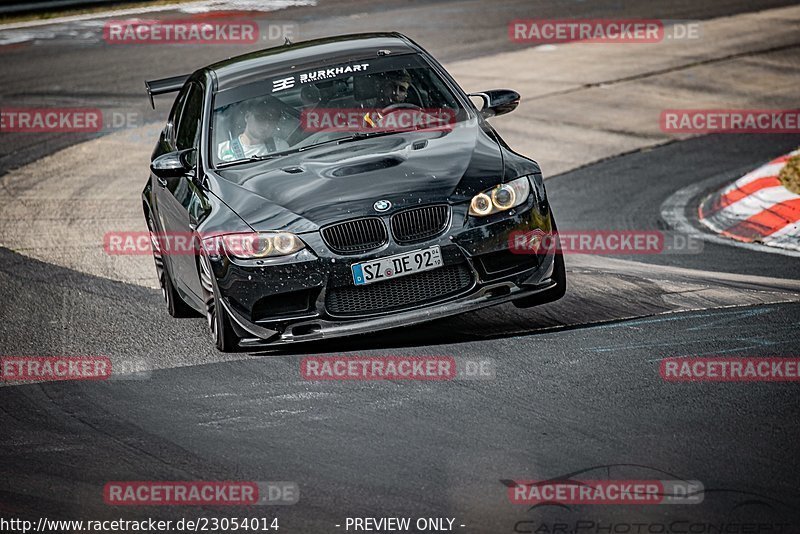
point(255, 245)
point(501, 197)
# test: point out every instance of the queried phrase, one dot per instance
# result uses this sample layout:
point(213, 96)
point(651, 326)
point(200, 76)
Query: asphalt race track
point(576, 383)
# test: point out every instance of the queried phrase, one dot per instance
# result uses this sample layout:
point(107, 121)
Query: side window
point(175, 112)
point(188, 124)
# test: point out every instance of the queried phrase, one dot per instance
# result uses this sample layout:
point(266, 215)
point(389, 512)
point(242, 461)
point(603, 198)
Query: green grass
point(790, 174)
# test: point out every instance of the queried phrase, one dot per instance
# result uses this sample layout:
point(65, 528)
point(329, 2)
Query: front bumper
point(290, 300)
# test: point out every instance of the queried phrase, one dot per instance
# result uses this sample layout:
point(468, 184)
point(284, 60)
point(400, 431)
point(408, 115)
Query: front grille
point(391, 295)
point(356, 236)
point(419, 224)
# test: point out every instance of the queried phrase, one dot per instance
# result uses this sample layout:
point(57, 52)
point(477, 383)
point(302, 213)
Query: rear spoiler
point(164, 85)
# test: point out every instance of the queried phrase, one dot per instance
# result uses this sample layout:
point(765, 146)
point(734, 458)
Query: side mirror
point(174, 164)
point(497, 102)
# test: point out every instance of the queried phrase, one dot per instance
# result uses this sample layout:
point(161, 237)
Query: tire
point(559, 275)
point(176, 307)
point(219, 323)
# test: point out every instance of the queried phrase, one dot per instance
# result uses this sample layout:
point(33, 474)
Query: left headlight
point(501, 197)
point(254, 245)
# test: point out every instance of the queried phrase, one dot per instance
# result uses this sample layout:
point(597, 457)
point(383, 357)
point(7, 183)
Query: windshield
point(285, 113)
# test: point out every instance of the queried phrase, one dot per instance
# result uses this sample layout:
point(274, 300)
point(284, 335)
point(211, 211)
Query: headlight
point(500, 198)
point(481, 205)
point(256, 245)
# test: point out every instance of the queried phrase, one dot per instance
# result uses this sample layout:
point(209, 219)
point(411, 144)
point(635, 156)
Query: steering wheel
point(400, 105)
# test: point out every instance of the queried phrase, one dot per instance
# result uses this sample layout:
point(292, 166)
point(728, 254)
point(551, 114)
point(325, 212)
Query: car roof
point(242, 69)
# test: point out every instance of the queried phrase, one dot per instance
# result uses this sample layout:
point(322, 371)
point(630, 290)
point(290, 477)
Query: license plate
point(396, 266)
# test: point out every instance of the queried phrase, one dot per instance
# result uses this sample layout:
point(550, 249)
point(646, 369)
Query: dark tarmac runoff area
point(575, 390)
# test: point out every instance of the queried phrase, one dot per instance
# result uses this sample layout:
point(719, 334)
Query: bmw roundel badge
point(382, 205)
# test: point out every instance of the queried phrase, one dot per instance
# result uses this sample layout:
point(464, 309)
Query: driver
point(259, 137)
point(392, 89)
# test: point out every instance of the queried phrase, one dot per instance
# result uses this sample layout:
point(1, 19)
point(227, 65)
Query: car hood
point(304, 191)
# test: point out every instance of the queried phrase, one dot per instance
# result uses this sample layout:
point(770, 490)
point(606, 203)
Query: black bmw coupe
point(340, 186)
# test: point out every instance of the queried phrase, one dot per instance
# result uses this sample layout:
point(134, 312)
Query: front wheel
point(219, 323)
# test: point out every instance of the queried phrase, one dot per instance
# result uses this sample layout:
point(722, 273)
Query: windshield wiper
point(358, 136)
point(355, 137)
point(262, 157)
